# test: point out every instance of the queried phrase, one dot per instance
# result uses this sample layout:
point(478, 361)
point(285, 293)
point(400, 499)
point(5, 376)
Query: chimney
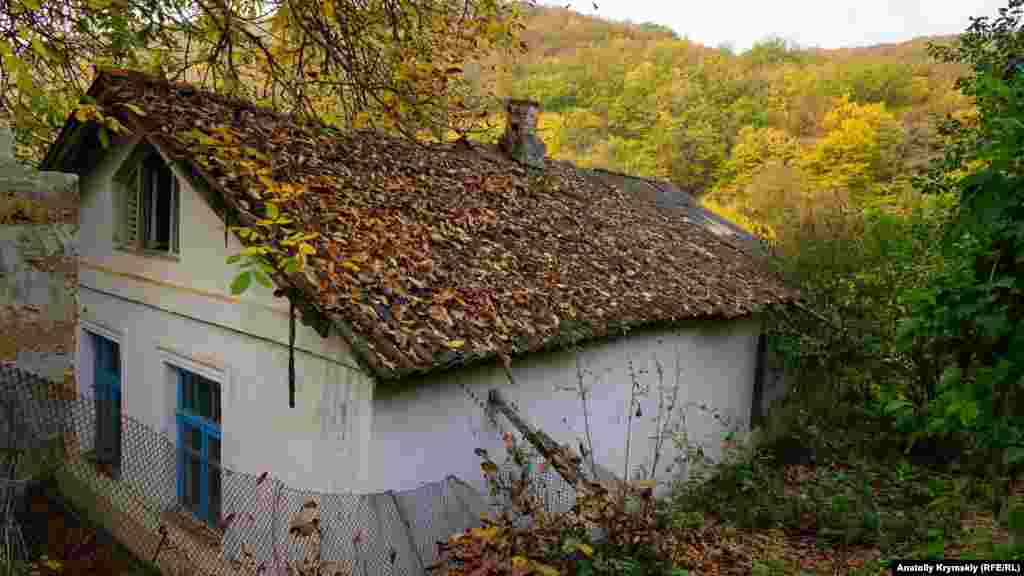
point(520, 139)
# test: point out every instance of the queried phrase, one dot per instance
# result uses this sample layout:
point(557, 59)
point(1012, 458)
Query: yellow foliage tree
point(754, 148)
point(859, 149)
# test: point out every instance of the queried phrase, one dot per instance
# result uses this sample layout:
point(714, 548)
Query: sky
point(810, 23)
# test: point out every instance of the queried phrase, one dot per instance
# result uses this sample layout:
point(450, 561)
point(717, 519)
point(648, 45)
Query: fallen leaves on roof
point(438, 255)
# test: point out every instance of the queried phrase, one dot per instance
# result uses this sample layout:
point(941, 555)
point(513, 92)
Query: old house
point(435, 268)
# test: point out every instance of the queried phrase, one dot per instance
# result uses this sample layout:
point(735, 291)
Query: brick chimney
point(520, 139)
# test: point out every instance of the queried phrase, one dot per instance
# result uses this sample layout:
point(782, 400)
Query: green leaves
point(241, 282)
point(1015, 456)
point(975, 315)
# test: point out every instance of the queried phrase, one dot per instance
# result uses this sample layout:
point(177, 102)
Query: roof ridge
point(227, 99)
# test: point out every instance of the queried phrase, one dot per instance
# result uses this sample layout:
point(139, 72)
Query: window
point(107, 398)
point(198, 415)
point(149, 203)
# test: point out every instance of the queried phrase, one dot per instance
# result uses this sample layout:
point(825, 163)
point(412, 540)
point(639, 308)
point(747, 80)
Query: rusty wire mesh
point(135, 493)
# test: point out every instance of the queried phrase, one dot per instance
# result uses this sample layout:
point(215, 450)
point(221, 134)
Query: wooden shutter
point(175, 214)
point(129, 209)
point(131, 188)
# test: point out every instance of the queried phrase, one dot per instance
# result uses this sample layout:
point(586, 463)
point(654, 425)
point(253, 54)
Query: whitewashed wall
point(427, 428)
point(166, 311)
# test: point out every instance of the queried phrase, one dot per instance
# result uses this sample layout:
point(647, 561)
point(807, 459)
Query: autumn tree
point(392, 64)
point(859, 149)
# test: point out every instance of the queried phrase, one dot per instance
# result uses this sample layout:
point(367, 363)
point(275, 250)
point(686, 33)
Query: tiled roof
point(665, 194)
point(431, 256)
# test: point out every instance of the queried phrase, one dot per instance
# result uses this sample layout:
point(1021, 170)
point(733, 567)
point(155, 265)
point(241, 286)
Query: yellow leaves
point(328, 9)
point(859, 148)
point(495, 28)
point(91, 113)
point(644, 484)
point(32, 4)
point(226, 134)
point(350, 265)
point(135, 109)
point(545, 570)
point(85, 112)
point(255, 154)
point(298, 238)
point(200, 137)
point(255, 250)
point(455, 344)
point(733, 214)
point(42, 49)
point(753, 149)
point(486, 535)
point(361, 120)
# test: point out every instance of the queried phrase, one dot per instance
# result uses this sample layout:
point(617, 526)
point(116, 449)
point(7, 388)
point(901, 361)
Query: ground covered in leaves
point(63, 542)
point(847, 507)
point(852, 511)
point(807, 530)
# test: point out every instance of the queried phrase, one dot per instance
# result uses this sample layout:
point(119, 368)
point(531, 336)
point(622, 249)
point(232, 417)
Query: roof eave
point(66, 142)
point(562, 342)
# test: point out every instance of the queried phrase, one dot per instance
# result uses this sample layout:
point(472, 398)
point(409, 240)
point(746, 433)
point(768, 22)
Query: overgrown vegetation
point(891, 191)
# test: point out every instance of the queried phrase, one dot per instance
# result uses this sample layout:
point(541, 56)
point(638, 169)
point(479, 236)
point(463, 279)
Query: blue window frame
point(199, 440)
point(107, 398)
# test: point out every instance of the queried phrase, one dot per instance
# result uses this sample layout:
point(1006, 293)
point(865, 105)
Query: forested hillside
point(751, 132)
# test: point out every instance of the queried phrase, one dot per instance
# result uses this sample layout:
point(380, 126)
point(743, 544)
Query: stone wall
point(38, 269)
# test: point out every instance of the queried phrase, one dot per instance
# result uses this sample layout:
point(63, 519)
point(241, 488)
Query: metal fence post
point(452, 482)
point(408, 531)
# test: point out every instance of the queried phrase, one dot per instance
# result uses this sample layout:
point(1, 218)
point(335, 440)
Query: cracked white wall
point(426, 428)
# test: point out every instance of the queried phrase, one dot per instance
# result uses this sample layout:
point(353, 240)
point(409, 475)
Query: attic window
point(149, 201)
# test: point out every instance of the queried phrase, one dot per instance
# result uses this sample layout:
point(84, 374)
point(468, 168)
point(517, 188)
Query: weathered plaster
point(426, 428)
point(179, 312)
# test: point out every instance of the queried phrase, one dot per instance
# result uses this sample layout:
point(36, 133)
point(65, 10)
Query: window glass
point(158, 203)
point(214, 472)
point(199, 475)
point(200, 396)
point(193, 439)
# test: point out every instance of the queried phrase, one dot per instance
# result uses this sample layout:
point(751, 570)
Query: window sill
point(149, 253)
point(184, 520)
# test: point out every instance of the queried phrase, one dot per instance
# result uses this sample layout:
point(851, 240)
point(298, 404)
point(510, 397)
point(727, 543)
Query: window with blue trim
point(107, 398)
point(199, 438)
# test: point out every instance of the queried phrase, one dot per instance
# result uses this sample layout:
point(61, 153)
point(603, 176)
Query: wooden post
point(562, 458)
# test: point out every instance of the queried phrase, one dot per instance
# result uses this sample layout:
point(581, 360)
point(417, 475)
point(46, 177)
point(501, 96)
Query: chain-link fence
point(178, 508)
